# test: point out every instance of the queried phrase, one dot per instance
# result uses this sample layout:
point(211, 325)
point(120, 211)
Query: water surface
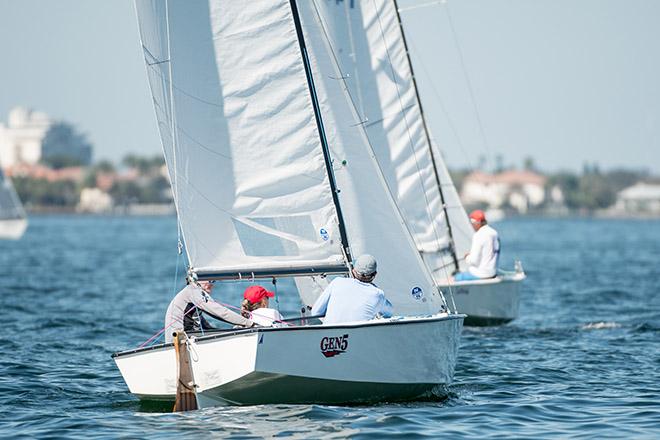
point(582, 361)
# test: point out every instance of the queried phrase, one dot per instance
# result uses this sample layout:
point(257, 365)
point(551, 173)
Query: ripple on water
point(583, 359)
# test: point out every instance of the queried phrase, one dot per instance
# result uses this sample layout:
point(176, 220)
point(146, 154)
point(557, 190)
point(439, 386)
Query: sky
point(566, 82)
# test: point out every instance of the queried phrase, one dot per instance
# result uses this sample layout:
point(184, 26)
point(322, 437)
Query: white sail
point(373, 222)
point(13, 220)
point(239, 134)
point(368, 44)
point(244, 150)
point(10, 206)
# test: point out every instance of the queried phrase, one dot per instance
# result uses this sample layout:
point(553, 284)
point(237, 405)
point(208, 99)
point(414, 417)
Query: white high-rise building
point(21, 140)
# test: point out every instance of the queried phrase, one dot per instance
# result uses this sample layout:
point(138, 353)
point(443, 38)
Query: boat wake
point(600, 326)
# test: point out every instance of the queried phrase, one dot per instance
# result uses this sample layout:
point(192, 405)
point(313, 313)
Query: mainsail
point(369, 47)
point(256, 126)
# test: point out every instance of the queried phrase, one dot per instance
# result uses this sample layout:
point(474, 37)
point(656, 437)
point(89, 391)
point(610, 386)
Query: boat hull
point(375, 361)
point(12, 229)
point(487, 302)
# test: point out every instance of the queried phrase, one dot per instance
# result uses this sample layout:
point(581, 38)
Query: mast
point(321, 129)
point(428, 139)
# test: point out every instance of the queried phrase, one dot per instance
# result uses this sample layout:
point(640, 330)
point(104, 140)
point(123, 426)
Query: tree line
point(150, 186)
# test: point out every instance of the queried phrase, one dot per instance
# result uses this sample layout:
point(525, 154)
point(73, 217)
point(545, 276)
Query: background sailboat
point(368, 43)
point(13, 220)
point(273, 177)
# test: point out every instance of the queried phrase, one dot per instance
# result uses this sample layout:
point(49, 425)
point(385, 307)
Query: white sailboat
point(368, 40)
point(13, 220)
point(273, 177)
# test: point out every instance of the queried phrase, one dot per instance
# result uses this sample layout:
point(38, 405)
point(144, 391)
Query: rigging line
point(212, 151)
point(184, 92)
point(185, 179)
point(428, 139)
point(154, 57)
point(411, 144)
point(468, 82)
point(173, 122)
point(176, 272)
point(402, 222)
point(378, 121)
point(202, 146)
point(445, 112)
point(202, 244)
point(422, 5)
point(321, 129)
point(364, 131)
point(363, 115)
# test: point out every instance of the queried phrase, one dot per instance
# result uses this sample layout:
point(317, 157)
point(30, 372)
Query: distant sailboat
point(13, 220)
point(368, 41)
point(273, 177)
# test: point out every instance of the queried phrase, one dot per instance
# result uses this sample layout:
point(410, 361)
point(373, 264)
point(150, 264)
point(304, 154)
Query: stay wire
point(443, 108)
point(468, 82)
point(411, 143)
point(368, 140)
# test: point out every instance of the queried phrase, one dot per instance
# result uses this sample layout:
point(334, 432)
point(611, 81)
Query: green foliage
point(529, 164)
point(64, 146)
point(594, 189)
point(42, 192)
point(59, 161)
point(104, 166)
point(145, 165)
point(152, 190)
point(89, 181)
point(458, 176)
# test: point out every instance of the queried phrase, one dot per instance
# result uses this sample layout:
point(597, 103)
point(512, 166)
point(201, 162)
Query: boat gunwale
point(246, 331)
point(499, 279)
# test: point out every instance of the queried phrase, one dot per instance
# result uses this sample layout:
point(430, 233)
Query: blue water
point(582, 361)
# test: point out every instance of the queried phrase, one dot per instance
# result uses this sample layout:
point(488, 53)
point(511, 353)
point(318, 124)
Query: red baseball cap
point(478, 216)
point(255, 294)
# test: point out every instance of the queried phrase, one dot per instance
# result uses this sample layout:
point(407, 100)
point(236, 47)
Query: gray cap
point(365, 265)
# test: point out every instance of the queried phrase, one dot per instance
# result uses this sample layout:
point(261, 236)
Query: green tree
point(64, 146)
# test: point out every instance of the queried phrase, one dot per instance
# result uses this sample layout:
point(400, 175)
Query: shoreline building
point(520, 191)
point(31, 137)
point(21, 140)
point(640, 199)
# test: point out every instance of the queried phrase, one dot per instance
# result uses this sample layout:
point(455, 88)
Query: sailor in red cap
point(255, 306)
point(484, 252)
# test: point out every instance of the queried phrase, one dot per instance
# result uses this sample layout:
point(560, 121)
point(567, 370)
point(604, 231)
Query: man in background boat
point(353, 299)
point(184, 312)
point(484, 252)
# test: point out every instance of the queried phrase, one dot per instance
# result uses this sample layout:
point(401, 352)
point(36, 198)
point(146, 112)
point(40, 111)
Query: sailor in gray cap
point(365, 268)
point(354, 299)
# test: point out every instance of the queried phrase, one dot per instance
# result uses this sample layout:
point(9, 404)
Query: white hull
point(487, 302)
point(381, 360)
point(12, 229)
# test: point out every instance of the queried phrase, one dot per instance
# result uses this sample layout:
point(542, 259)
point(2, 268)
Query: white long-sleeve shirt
point(482, 259)
point(193, 294)
point(348, 300)
point(266, 317)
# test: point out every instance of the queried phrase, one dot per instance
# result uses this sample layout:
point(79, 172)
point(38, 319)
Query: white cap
point(365, 265)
